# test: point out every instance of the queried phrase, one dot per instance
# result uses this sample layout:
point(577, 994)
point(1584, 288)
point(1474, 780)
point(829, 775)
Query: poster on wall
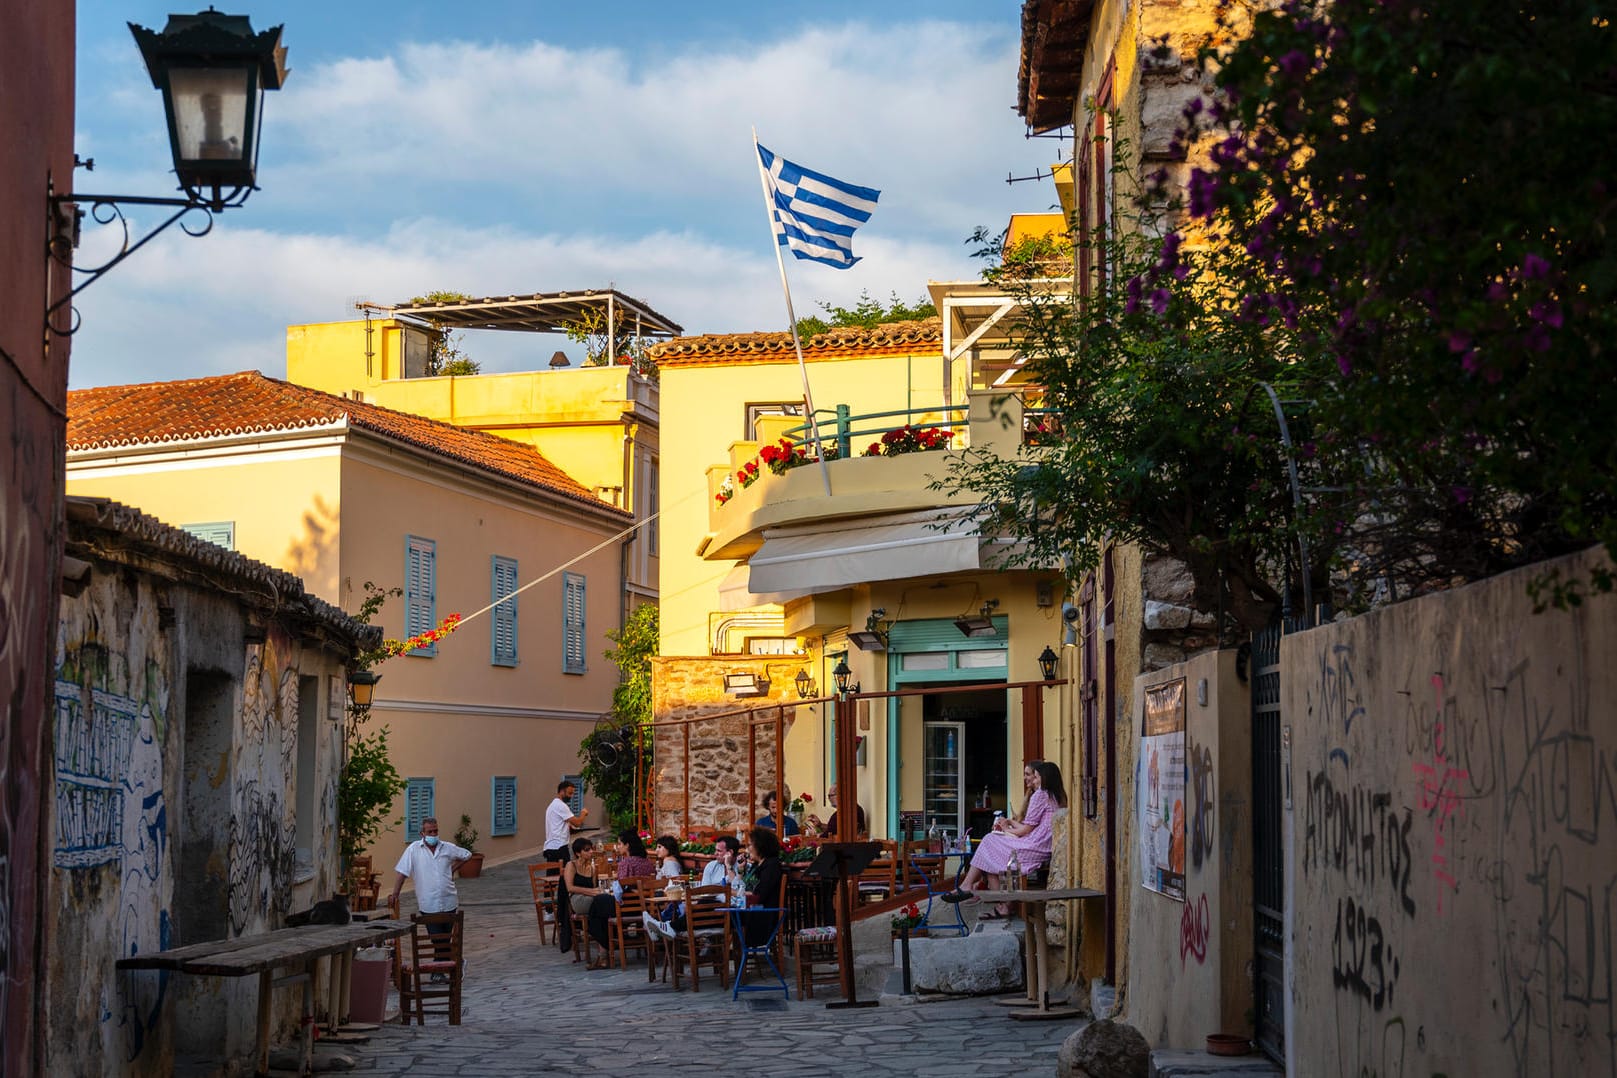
point(1161, 790)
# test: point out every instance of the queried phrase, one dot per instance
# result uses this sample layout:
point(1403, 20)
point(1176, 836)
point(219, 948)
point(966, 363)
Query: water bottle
point(934, 838)
point(1013, 873)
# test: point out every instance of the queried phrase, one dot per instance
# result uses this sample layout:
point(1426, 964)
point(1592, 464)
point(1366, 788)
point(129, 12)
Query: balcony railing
point(843, 430)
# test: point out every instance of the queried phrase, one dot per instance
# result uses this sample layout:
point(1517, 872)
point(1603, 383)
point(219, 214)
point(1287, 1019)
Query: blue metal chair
point(764, 950)
point(933, 894)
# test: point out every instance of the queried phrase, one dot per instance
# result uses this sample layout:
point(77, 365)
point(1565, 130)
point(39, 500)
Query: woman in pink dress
point(1028, 837)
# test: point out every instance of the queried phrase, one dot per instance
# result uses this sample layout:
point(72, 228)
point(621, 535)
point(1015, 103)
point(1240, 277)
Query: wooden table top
point(266, 950)
point(1038, 894)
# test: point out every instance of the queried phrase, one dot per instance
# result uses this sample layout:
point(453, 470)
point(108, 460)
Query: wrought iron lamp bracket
point(66, 215)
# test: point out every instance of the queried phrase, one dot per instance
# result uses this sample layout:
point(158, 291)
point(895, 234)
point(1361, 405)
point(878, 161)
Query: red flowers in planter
point(909, 439)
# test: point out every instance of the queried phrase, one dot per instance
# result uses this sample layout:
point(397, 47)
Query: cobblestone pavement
point(531, 1010)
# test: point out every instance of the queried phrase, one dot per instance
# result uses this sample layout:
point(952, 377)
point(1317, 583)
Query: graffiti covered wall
point(126, 803)
point(1452, 833)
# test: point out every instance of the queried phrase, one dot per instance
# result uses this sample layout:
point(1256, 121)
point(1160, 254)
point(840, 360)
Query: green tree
point(613, 752)
point(444, 354)
point(866, 312)
point(1426, 193)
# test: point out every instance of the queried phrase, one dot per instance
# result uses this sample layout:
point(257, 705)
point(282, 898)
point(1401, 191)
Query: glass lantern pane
point(210, 112)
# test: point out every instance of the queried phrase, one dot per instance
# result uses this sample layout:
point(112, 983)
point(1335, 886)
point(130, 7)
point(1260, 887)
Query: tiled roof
point(267, 587)
point(162, 413)
point(839, 343)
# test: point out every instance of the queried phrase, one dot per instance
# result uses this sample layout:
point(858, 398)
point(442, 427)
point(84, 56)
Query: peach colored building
point(343, 492)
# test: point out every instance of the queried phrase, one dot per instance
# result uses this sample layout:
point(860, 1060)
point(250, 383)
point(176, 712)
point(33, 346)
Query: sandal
point(959, 896)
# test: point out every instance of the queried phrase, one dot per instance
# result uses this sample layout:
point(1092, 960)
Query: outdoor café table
point(297, 948)
point(1030, 902)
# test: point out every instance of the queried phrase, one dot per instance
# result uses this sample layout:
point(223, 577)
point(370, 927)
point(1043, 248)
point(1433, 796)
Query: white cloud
point(529, 167)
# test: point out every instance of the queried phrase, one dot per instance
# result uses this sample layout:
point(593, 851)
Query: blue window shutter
point(419, 795)
point(420, 590)
point(577, 802)
point(572, 659)
point(503, 618)
point(220, 533)
point(503, 810)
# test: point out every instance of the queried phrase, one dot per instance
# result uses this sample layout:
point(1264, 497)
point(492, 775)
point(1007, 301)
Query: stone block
point(1168, 580)
point(978, 964)
point(1160, 615)
point(1104, 1049)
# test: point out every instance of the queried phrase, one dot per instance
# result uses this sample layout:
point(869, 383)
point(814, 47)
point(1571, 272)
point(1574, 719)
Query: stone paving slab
point(531, 1010)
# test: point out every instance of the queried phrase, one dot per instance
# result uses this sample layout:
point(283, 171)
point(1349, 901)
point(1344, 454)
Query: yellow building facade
point(343, 493)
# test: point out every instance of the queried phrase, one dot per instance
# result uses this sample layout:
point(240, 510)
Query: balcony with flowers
point(875, 464)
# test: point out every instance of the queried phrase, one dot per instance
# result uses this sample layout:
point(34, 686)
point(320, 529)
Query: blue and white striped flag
point(815, 215)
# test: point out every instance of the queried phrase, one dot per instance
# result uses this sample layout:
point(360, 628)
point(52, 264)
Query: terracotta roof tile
point(838, 343)
point(159, 413)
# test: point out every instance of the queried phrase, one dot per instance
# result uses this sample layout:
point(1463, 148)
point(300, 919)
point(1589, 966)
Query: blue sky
point(502, 147)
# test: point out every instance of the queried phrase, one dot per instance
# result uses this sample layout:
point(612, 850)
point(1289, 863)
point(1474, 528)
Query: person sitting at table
point(1029, 775)
point(768, 818)
point(722, 869)
point(583, 889)
point(762, 879)
point(829, 827)
point(669, 861)
point(634, 861)
point(1029, 838)
point(725, 867)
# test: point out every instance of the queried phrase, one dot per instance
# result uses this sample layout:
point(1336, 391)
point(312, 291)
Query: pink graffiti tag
point(1195, 925)
point(1440, 798)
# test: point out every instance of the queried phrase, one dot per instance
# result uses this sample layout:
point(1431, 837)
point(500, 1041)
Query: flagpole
point(791, 316)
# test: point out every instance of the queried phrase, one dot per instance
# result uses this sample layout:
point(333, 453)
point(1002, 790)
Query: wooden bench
point(299, 949)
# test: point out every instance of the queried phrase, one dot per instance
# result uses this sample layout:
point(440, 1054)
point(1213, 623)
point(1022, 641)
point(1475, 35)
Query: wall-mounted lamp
point(982, 624)
point(843, 677)
point(213, 71)
point(746, 684)
point(1048, 661)
point(805, 685)
point(362, 688)
point(873, 637)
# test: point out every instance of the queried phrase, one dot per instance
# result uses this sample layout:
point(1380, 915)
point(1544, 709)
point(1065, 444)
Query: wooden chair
point(817, 958)
point(544, 877)
point(432, 954)
point(364, 884)
point(627, 929)
point(879, 881)
point(707, 922)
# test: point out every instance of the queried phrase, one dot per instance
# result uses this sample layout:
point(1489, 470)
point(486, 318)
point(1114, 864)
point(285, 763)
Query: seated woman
point(634, 861)
point(768, 818)
point(726, 867)
point(1028, 838)
point(584, 890)
point(762, 879)
point(669, 861)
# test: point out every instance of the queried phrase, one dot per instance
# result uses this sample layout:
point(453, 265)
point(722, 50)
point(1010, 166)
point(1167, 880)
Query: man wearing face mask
point(430, 862)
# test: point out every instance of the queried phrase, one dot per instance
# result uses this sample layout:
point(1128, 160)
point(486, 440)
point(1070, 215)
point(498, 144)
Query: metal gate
point(1269, 881)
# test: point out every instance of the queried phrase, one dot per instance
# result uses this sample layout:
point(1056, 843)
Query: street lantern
point(213, 71)
point(362, 688)
point(842, 675)
point(805, 684)
point(1047, 663)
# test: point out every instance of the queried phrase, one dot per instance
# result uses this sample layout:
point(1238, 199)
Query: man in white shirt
point(430, 862)
point(559, 824)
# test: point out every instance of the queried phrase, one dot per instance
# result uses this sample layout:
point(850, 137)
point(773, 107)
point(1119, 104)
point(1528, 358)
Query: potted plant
point(466, 839)
point(907, 923)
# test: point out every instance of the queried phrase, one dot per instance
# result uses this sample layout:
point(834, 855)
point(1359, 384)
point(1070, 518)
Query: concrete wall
point(1452, 782)
point(36, 128)
point(1190, 962)
point(188, 807)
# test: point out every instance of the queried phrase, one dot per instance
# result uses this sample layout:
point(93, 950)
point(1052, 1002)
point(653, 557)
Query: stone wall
point(176, 817)
point(1452, 809)
point(717, 773)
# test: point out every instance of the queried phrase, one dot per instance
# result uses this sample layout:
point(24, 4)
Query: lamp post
point(362, 689)
point(213, 71)
point(805, 685)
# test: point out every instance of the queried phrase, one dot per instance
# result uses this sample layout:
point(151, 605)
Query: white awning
point(735, 592)
point(804, 560)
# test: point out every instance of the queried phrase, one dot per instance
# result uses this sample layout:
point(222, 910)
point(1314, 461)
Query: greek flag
point(815, 215)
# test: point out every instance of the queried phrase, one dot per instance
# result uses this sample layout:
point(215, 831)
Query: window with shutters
point(572, 629)
point(503, 618)
point(653, 507)
point(420, 590)
point(503, 810)
point(419, 795)
point(219, 532)
point(576, 802)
